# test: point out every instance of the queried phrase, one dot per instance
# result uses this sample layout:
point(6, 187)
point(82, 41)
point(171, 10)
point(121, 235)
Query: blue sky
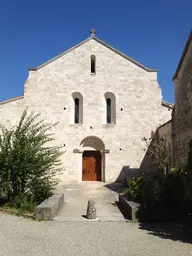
point(151, 32)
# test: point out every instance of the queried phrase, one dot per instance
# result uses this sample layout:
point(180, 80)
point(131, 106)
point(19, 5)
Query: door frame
point(102, 167)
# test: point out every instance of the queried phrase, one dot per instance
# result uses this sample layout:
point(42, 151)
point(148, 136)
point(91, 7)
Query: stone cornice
point(167, 104)
point(11, 99)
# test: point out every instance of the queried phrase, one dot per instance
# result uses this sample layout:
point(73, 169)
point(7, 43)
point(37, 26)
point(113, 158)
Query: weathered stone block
point(49, 207)
point(131, 209)
point(91, 210)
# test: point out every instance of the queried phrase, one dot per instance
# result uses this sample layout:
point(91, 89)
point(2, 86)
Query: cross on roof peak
point(92, 32)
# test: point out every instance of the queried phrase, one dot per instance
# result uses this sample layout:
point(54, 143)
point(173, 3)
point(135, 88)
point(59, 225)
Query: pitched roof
point(167, 104)
point(183, 55)
point(101, 42)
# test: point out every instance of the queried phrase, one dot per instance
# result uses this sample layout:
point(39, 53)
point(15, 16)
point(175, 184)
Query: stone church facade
point(104, 103)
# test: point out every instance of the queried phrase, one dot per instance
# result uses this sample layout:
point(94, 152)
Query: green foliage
point(174, 189)
point(146, 188)
point(176, 171)
point(170, 191)
point(23, 202)
point(28, 164)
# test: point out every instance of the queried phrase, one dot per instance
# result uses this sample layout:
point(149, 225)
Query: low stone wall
point(130, 208)
point(49, 207)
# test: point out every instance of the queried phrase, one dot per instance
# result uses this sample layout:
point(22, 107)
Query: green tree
point(29, 165)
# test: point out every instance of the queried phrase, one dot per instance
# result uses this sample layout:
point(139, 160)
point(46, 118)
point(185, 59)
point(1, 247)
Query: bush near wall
point(28, 164)
point(162, 197)
point(164, 190)
point(161, 191)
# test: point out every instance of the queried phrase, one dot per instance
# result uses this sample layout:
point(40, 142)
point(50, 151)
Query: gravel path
point(19, 236)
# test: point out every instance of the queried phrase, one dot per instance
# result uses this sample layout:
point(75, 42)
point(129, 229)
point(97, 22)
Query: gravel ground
point(19, 236)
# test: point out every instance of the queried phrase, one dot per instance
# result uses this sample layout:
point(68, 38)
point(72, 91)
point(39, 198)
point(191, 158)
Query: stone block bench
point(130, 208)
point(49, 207)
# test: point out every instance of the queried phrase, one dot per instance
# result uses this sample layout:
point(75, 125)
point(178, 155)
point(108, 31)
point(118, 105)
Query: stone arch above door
point(92, 143)
point(94, 147)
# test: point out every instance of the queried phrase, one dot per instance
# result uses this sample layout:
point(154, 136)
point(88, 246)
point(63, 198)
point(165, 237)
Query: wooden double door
point(91, 166)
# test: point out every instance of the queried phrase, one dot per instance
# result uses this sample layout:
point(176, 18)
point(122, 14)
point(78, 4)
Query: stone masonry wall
point(182, 115)
point(165, 132)
point(11, 111)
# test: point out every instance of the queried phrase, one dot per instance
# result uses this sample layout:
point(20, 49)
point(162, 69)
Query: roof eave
point(183, 56)
point(60, 55)
point(167, 104)
point(32, 69)
point(11, 99)
point(101, 42)
point(124, 55)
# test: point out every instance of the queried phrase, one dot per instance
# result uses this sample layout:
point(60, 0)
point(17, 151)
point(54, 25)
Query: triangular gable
point(101, 42)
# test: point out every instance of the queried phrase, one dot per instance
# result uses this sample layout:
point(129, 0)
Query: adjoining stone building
point(105, 103)
point(182, 112)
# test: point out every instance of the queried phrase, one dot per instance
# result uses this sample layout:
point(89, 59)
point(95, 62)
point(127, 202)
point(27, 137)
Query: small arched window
point(108, 104)
point(78, 108)
point(93, 64)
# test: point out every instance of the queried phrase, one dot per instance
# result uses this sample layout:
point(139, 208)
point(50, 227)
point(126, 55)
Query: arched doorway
point(93, 159)
point(91, 165)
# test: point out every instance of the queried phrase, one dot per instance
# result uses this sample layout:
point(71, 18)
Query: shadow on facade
point(126, 173)
point(146, 164)
point(129, 173)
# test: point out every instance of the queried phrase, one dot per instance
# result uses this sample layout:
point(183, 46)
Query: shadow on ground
point(176, 231)
point(121, 210)
point(117, 187)
point(169, 230)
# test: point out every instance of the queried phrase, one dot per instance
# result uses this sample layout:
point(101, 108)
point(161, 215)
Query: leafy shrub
point(24, 203)
point(175, 187)
point(172, 190)
point(28, 164)
point(146, 188)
